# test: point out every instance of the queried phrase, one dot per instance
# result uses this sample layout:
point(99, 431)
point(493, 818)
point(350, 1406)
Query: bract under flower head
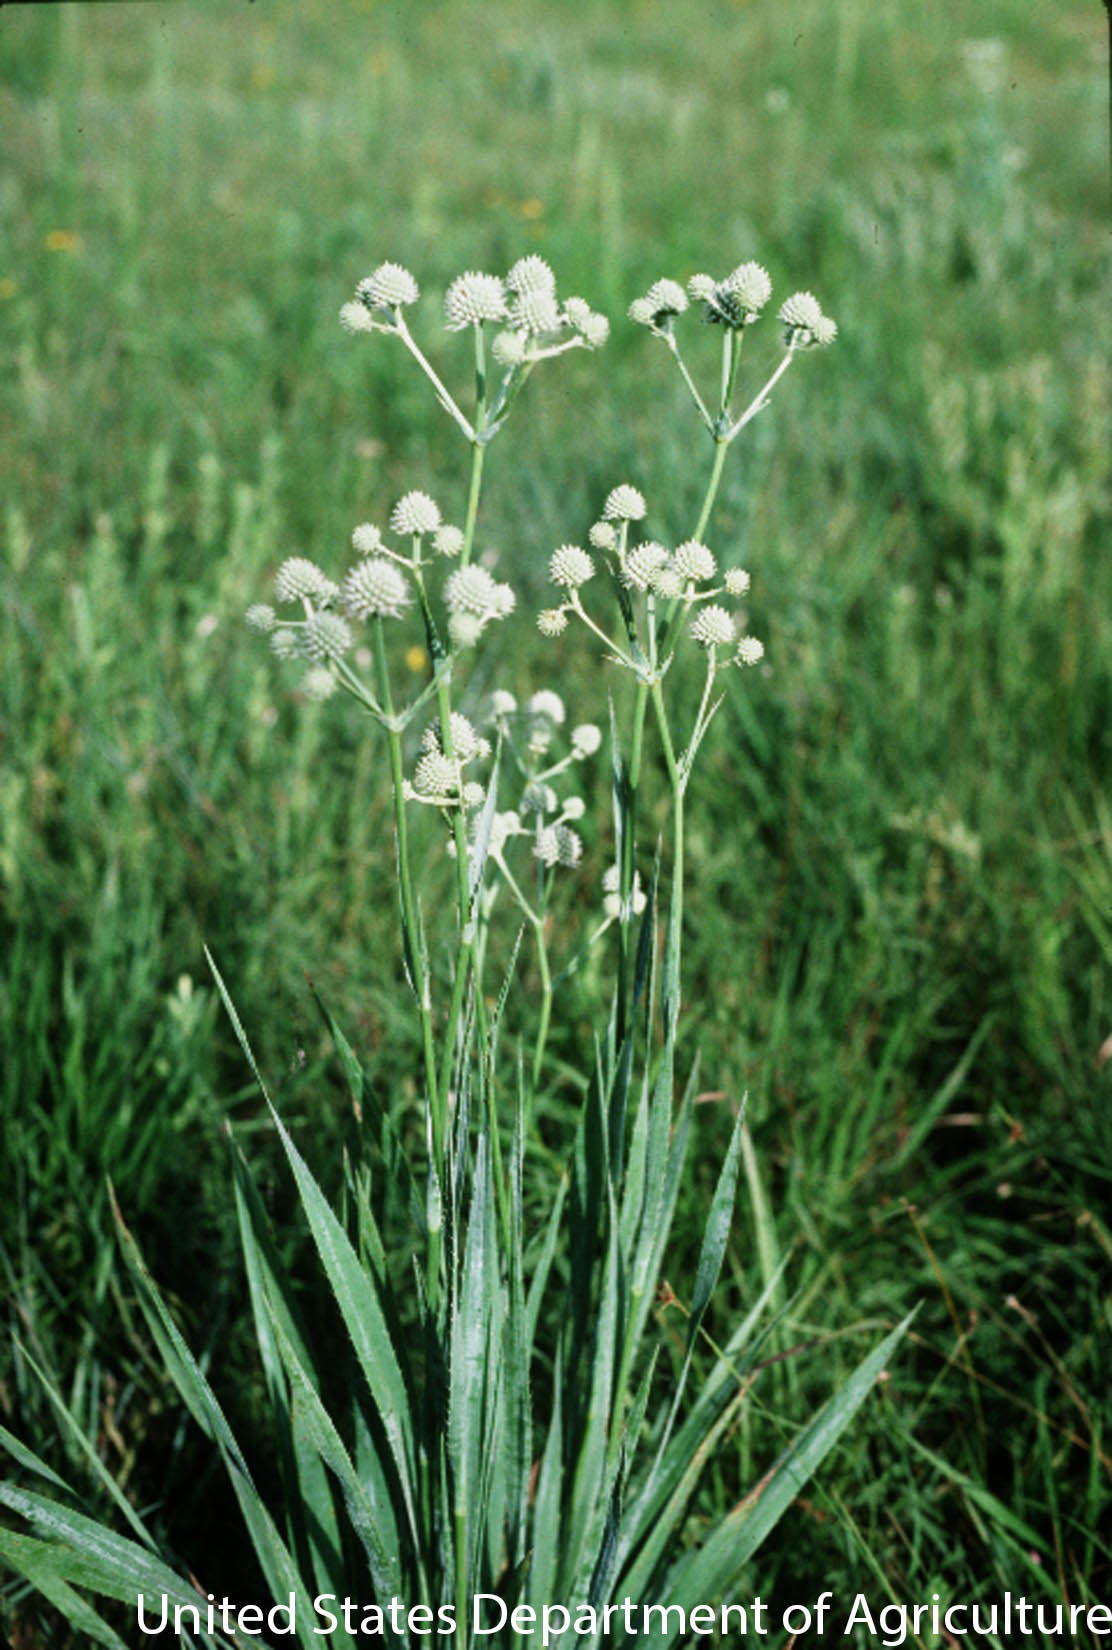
point(415, 513)
point(472, 299)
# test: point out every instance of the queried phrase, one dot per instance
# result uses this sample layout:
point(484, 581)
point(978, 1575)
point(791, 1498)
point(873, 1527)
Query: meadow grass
point(900, 844)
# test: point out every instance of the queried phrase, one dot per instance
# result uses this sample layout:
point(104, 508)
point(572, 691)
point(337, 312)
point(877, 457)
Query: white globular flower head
point(325, 636)
point(465, 629)
point(612, 898)
point(472, 795)
point(558, 845)
point(666, 581)
point(285, 643)
point(299, 579)
point(509, 348)
point(693, 560)
point(435, 778)
point(366, 538)
point(552, 621)
point(602, 536)
point(712, 626)
point(318, 684)
point(624, 503)
point(531, 274)
point(375, 589)
point(260, 617)
point(642, 563)
point(502, 704)
point(586, 739)
point(472, 299)
point(448, 540)
point(548, 705)
point(473, 590)
point(467, 745)
point(594, 330)
point(749, 651)
point(805, 325)
point(415, 513)
point(390, 286)
point(535, 313)
point(750, 285)
point(570, 566)
point(664, 300)
point(737, 581)
point(502, 827)
point(355, 317)
point(538, 798)
point(701, 288)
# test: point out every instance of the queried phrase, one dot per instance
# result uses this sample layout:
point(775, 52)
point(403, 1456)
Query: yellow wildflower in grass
point(416, 659)
point(531, 209)
point(62, 240)
point(8, 287)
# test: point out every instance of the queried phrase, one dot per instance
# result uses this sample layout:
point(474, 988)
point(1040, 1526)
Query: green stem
point(478, 448)
point(546, 1001)
point(675, 924)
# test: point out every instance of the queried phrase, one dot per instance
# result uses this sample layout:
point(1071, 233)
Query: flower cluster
point(684, 577)
point(438, 779)
point(734, 302)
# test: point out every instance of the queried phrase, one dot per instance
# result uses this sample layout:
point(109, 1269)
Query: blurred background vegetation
point(901, 907)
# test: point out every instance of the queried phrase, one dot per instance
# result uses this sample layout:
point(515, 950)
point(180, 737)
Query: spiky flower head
point(538, 798)
point(285, 643)
point(436, 777)
point(299, 578)
point(701, 288)
point(805, 325)
point(325, 636)
point(376, 588)
point(509, 348)
point(624, 503)
point(750, 285)
point(472, 299)
point(552, 621)
point(577, 312)
point(712, 626)
point(318, 684)
point(667, 581)
point(749, 651)
point(612, 898)
point(594, 330)
point(502, 703)
point(390, 286)
point(366, 538)
point(737, 581)
point(662, 301)
point(448, 540)
point(535, 312)
point(642, 562)
point(261, 617)
point(467, 745)
point(473, 590)
point(531, 274)
point(602, 536)
point(570, 566)
point(473, 794)
point(558, 845)
point(465, 629)
point(693, 560)
point(415, 513)
point(574, 808)
point(355, 317)
point(585, 740)
point(548, 705)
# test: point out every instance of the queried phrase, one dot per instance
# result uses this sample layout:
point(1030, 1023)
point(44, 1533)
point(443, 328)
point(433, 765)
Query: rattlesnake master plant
point(508, 1422)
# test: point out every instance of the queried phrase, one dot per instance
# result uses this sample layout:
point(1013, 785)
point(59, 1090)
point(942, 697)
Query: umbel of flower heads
point(733, 303)
point(521, 310)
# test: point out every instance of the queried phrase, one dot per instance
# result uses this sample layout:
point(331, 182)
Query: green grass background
point(901, 907)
